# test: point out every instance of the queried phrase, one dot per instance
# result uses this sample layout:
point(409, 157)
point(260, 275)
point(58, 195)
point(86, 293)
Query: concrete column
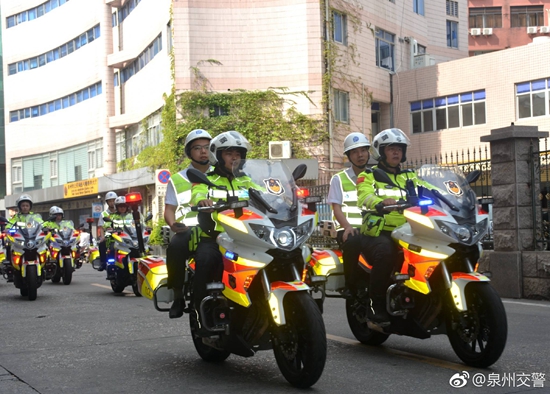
point(513, 190)
point(109, 136)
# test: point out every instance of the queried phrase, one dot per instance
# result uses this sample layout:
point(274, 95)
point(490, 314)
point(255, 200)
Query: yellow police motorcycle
point(63, 251)
point(262, 301)
point(437, 288)
point(27, 241)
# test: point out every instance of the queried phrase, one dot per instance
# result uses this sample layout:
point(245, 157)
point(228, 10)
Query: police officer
point(179, 217)
point(107, 213)
point(342, 196)
point(389, 148)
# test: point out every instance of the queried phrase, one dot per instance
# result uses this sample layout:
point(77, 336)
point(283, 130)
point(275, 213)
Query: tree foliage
point(261, 116)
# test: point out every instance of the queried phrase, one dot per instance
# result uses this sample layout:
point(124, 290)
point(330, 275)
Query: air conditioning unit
point(475, 32)
point(545, 29)
point(279, 150)
point(423, 60)
point(488, 31)
point(532, 30)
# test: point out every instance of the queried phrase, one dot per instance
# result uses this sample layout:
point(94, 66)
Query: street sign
point(161, 182)
point(97, 208)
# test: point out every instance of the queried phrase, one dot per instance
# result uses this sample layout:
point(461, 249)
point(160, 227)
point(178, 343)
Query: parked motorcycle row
point(274, 284)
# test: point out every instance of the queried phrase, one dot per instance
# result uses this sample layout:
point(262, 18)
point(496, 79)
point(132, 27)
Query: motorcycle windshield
point(66, 228)
point(32, 226)
point(276, 188)
point(452, 184)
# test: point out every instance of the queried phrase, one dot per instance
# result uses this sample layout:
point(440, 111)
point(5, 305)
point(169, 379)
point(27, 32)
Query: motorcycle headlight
point(262, 232)
point(303, 231)
point(284, 238)
point(464, 233)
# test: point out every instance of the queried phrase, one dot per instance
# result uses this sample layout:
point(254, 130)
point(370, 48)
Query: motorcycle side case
point(329, 263)
point(152, 277)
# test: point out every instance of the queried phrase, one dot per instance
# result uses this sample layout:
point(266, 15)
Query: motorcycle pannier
point(152, 273)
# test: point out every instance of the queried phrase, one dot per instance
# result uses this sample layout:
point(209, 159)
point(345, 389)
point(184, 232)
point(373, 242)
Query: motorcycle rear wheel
point(67, 271)
point(478, 337)
point(32, 282)
point(359, 328)
point(206, 352)
point(300, 346)
point(135, 289)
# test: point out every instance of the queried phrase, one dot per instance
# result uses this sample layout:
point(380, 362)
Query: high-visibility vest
point(182, 188)
point(349, 200)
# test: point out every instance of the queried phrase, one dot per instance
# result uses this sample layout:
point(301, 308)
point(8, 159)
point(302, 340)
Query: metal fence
point(469, 160)
point(540, 169)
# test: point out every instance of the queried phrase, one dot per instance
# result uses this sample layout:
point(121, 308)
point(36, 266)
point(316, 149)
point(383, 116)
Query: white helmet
point(55, 210)
point(389, 137)
point(355, 140)
point(23, 197)
point(110, 196)
point(226, 140)
point(195, 135)
point(120, 200)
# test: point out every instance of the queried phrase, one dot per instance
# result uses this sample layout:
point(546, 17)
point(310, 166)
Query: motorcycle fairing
point(276, 296)
point(460, 280)
point(249, 254)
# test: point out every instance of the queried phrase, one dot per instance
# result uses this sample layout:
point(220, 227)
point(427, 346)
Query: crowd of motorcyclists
point(350, 190)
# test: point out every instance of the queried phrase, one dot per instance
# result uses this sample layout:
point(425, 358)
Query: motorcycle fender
point(276, 296)
point(460, 280)
point(62, 259)
point(32, 262)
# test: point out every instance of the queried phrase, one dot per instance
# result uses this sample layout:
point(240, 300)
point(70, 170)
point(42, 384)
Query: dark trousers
point(208, 267)
point(351, 249)
point(177, 254)
point(102, 247)
point(383, 254)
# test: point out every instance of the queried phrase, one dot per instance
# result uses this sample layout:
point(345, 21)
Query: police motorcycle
point(63, 251)
point(438, 289)
point(27, 241)
point(262, 302)
point(4, 259)
point(126, 235)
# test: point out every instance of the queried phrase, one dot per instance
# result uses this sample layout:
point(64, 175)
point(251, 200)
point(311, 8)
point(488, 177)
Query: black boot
point(176, 310)
point(377, 311)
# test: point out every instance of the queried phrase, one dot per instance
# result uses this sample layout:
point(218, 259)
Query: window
point(33, 13)
point(339, 27)
point(219, 110)
point(78, 173)
point(418, 7)
point(91, 160)
point(17, 174)
point(141, 61)
point(485, 17)
point(452, 34)
point(532, 98)
point(384, 49)
point(341, 106)
point(452, 8)
point(527, 16)
point(441, 113)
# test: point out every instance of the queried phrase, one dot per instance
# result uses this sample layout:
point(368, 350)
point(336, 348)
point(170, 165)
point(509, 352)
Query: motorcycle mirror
point(299, 172)
point(195, 176)
point(149, 216)
point(473, 176)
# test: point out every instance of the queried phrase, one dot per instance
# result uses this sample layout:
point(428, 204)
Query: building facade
point(501, 24)
point(84, 84)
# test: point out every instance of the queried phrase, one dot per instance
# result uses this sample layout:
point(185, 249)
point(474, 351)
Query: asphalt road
point(83, 338)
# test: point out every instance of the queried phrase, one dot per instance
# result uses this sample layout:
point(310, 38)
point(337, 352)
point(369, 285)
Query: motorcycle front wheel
point(67, 272)
point(478, 336)
point(300, 346)
point(117, 288)
point(32, 282)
